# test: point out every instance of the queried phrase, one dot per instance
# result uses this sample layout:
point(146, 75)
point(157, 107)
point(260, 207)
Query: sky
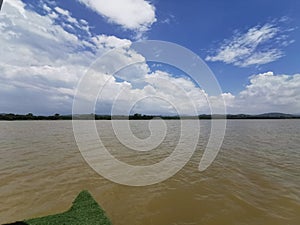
point(252, 48)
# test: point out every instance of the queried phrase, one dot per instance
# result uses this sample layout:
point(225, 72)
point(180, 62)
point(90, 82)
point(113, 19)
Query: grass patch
point(84, 211)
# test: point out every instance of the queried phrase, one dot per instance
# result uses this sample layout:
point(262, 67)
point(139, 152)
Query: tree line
point(137, 116)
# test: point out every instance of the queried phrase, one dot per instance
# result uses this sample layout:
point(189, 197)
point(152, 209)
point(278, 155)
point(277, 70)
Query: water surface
point(254, 180)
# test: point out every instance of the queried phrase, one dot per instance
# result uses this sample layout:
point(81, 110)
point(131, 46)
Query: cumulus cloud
point(136, 15)
point(38, 55)
point(41, 65)
point(268, 92)
point(161, 94)
point(258, 46)
point(161, 91)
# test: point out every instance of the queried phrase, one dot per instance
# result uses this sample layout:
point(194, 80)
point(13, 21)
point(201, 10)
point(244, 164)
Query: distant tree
point(9, 116)
point(29, 116)
point(137, 116)
point(56, 116)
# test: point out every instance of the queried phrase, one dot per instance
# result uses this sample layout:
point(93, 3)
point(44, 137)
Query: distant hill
point(276, 114)
point(272, 115)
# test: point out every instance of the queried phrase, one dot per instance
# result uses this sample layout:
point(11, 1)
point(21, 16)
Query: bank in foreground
point(84, 211)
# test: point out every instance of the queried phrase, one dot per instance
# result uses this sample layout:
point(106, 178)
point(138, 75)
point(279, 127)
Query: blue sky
point(252, 47)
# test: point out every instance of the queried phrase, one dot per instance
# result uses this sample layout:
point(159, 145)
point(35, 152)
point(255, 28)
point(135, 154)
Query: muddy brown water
point(254, 180)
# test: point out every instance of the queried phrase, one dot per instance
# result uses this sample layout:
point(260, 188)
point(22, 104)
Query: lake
point(255, 178)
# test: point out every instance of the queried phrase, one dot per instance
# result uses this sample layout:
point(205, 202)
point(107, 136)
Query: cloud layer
point(42, 59)
point(258, 46)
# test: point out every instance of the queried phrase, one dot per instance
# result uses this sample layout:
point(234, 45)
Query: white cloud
point(18, 5)
point(259, 45)
point(260, 58)
point(110, 41)
point(160, 94)
point(61, 11)
point(40, 59)
point(43, 63)
point(68, 20)
point(218, 102)
point(137, 15)
point(47, 8)
point(268, 93)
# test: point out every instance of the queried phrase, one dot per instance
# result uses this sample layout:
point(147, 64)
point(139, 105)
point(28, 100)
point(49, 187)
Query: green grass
point(84, 211)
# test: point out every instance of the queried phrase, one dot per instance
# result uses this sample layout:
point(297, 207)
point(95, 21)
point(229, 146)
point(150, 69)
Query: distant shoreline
point(30, 116)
